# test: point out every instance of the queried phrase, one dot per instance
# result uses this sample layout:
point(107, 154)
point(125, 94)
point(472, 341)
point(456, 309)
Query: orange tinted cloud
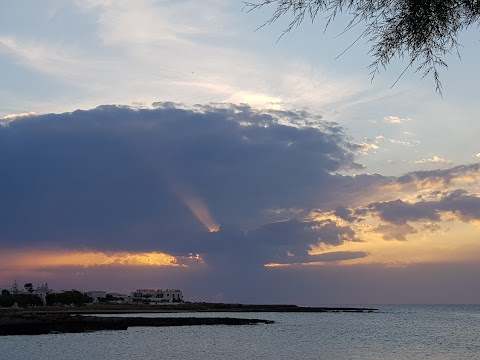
point(34, 259)
point(50, 264)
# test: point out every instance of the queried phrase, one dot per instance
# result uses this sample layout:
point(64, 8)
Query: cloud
point(395, 119)
point(106, 64)
point(151, 22)
point(11, 117)
point(425, 197)
point(384, 141)
point(63, 62)
point(158, 179)
point(284, 242)
point(394, 231)
point(432, 227)
point(435, 160)
point(328, 257)
point(344, 213)
point(440, 179)
point(462, 205)
point(366, 147)
point(399, 212)
point(339, 256)
point(43, 259)
point(401, 142)
point(221, 189)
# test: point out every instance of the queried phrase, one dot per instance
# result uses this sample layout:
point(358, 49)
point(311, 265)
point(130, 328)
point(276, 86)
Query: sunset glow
point(34, 259)
point(178, 143)
point(200, 210)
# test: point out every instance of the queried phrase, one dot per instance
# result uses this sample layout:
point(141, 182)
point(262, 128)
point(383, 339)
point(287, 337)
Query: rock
point(36, 324)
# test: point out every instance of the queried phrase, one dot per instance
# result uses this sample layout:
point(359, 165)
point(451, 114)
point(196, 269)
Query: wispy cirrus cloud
point(153, 59)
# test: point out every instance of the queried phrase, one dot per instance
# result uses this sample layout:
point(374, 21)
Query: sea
point(394, 332)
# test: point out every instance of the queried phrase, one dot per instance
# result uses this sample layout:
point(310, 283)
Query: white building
point(96, 294)
point(157, 296)
point(41, 291)
point(119, 298)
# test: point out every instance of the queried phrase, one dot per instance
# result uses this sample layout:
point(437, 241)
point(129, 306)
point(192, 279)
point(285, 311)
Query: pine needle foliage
point(421, 31)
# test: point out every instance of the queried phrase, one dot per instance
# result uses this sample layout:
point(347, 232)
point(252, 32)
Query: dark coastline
point(47, 320)
point(38, 324)
point(181, 308)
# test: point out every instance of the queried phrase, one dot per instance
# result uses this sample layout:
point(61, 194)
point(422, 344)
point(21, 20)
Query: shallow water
point(395, 332)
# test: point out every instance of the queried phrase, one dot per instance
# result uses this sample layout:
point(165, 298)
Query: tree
point(28, 287)
point(25, 300)
point(6, 299)
point(74, 297)
point(14, 289)
point(422, 31)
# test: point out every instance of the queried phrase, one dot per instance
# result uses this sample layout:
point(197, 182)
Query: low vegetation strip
point(180, 308)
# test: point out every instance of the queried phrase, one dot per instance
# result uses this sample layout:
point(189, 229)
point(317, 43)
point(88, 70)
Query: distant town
point(41, 295)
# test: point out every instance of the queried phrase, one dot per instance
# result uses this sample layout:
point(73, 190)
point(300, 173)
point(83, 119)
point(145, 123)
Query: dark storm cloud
point(117, 178)
point(289, 241)
point(283, 242)
point(310, 232)
point(109, 178)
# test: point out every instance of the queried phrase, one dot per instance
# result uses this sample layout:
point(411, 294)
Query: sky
point(175, 144)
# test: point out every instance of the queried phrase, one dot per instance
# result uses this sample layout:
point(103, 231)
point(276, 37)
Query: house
point(42, 291)
point(118, 298)
point(96, 295)
point(157, 296)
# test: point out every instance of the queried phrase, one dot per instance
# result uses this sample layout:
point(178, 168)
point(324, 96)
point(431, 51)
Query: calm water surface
point(396, 332)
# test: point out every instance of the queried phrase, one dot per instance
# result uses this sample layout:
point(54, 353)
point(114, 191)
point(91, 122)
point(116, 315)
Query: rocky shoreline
point(47, 320)
point(38, 324)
